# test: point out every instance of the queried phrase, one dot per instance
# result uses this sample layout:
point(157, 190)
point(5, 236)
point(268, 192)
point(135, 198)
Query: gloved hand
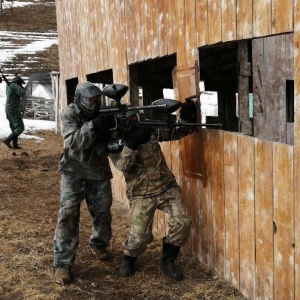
point(188, 112)
point(104, 122)
point(140, 136)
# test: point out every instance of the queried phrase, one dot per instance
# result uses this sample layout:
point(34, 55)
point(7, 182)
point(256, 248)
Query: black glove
point(103, 122)
point(140, 136)
point(188, 112)
point(102, 125)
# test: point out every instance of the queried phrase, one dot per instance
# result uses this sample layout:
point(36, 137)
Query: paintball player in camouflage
point(150, 185)
point(14, 93)
point(85, 174)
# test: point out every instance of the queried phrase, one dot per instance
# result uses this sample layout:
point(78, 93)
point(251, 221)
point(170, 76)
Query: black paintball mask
point(18, 80)
point(87, 98)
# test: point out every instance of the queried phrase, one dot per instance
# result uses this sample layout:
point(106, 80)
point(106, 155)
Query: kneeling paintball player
point(150, 185)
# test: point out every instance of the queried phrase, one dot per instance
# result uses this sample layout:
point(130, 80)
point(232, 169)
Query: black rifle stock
point(164, 106)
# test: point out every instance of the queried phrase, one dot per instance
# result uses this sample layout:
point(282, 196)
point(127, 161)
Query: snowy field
point(8, 51)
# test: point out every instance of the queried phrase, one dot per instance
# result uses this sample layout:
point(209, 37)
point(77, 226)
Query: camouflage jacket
point(14, 93)
point(145, 170)
point(83, 155)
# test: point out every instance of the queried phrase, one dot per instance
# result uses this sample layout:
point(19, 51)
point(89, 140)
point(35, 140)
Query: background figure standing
point(85, 175)
point(150, 185)
point(14, 93)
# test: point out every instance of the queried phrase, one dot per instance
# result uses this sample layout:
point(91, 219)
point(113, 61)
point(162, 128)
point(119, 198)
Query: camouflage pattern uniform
point(150, 185)
point(14, 93)
point(85, 174)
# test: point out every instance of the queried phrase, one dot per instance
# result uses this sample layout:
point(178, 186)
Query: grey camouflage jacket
point(83, 155)
point(145, 170)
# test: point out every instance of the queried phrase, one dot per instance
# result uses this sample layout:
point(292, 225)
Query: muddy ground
point(29, 202)
point(29, 187)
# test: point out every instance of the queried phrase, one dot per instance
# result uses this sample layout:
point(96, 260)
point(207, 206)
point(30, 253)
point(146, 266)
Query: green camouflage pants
point(14, 117)
point(98, 199)
point(142, 213)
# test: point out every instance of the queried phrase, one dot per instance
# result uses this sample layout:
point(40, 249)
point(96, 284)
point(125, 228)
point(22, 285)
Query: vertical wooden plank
point(83, 26)
point(139, 30)
point(244, 19)
point(262, 17)
point(297, 144)
point(111, 33)
point(129, 29)
point(172, 27)
point(106, 34)
point(180, 33)
point(99, 55)
point(134, 34)
point(244, 73)
point(154, 41)
point(214, 21)
point(264, 220)
point(79, 50)
point(147, 28)
point(121, 65)
point(282, 16)
point(218, 206)
point(289, 57)
point(94, 64)
point(269, 95)
point(195, 200)
point(228, 20)
point(201, 22)
point(206, 204)
point(190, 17)
point(283, 222)
point(186, 83)
point(163, 12)
point(231, 179)
point(246, 158)
point(103, 33)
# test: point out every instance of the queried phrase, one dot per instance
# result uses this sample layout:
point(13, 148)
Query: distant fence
point(39, 108)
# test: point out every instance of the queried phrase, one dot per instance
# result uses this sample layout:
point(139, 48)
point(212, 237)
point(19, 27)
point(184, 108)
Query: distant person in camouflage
point(150, 185)
point(14, 94)
point(85, 174)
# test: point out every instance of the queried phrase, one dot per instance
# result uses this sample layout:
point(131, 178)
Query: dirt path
point(29, 187)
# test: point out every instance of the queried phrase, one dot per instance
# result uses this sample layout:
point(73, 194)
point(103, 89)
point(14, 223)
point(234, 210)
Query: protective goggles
point(90, 103)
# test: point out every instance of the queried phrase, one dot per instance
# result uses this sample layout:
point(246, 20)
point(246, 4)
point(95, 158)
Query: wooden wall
point(246, 214)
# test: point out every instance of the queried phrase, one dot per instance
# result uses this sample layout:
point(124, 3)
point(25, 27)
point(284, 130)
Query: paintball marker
point(3, 77)
point(164, 107)
point(116, 92)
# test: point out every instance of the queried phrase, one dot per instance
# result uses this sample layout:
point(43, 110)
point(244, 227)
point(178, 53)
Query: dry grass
point(29, 187)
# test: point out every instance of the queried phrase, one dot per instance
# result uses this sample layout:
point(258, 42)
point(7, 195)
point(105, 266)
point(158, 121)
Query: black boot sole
point(7, 144)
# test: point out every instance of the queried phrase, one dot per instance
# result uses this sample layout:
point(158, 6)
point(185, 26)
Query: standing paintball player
point(14, 93)
point(85, 174)
point(150, 185)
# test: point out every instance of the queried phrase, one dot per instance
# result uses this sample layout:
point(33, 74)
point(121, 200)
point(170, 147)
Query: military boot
point(15, 143)
point(63, 274)
point(7, 140)
point(127, 266)
point(168, 266)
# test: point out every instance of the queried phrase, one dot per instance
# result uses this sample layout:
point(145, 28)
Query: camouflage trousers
point(142, 213)
point(98, 199)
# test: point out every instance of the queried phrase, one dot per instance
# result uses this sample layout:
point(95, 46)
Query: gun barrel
point(166, 124)
point(126, 108)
